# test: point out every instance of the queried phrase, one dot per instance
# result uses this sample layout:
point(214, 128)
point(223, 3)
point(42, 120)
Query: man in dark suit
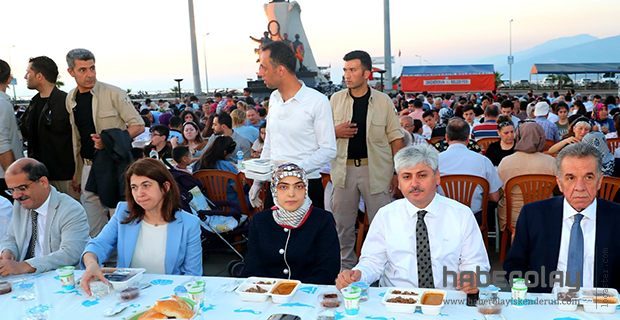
point(571, 235)
point(45, 125)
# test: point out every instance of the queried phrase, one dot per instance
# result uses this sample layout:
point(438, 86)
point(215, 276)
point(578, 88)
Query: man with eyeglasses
point(10, 139)
point(45, 125)
point(48, 228)
point(159, 142)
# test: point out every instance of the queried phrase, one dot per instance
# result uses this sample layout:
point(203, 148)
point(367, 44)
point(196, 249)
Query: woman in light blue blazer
point(149, 230)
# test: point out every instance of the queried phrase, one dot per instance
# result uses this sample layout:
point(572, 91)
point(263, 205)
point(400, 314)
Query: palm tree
point(498, 79)
point(59, 84)
point(560, 79)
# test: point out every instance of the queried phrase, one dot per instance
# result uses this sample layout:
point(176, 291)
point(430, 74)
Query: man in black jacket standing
point(45, 125)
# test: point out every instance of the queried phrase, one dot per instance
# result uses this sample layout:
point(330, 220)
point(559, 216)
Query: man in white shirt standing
point(413, 241)
point(300, 126)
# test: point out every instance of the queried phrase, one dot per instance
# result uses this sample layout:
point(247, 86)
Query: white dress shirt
point(150, 250)
point(300, 130)
point(588, 227)
point(457, 159)
point(390, 255)
point(41, 222)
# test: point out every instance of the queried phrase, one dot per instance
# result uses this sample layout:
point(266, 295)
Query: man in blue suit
point(571, 235)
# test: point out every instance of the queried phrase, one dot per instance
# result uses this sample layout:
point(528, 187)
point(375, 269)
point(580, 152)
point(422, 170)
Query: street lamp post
point(179, 87)
point(192, 36)
point(511, 59)
point(387, 43)
point(204, 52)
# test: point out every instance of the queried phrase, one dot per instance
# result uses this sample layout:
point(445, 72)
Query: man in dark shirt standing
point(45, 125)
point(367, 136)
point(93, 107)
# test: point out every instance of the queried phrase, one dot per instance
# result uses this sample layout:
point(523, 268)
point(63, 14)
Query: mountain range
point(581, 48)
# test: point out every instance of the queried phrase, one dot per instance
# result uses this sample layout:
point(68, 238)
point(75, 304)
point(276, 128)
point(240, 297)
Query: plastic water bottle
point(153, 154)
point(240, 160)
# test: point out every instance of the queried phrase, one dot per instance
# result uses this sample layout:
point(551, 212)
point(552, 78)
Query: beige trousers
point(345, 203)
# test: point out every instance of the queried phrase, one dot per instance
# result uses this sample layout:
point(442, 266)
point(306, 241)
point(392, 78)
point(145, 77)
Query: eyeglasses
point(20, 188)
point(504, 124)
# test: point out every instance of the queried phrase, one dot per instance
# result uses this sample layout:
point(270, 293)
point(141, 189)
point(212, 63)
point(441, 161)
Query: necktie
point(33, 238)
point(425, 270)
point(574, 268)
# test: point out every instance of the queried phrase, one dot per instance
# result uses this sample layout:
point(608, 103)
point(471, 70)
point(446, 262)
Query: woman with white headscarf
point(293, 239)
point(597, 140)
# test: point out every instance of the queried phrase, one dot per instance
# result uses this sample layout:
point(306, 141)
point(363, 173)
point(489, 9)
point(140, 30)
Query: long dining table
point(221, 301)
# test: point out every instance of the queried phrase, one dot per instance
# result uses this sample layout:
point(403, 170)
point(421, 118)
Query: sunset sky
point(144, 45)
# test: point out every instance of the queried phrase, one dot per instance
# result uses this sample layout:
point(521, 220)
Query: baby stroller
point(220, 220)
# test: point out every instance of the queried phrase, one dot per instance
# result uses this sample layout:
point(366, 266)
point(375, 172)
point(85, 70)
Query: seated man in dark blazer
point(573, 235)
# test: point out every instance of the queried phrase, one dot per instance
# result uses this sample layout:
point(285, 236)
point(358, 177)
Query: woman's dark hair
point(155, 170)
point(194, 116)
point(208, 130)
point(504, 121)
point(221, 147)
point(582, 108)
point(262, 126)
point(198, 135)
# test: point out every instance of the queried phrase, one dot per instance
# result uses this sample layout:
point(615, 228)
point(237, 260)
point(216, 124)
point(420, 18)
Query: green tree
point(59, 84)
point(498, 79)
point(560, 80)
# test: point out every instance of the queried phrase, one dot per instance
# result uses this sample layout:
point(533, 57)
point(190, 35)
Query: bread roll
point(176, 308)
point(150, 314)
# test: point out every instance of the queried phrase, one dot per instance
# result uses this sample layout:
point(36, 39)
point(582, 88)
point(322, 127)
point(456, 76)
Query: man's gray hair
point(412, 156)
point(578, 150)
point(79, 54)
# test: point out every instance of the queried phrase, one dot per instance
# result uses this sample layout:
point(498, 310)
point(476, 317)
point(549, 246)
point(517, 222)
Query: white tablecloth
point(223, 304)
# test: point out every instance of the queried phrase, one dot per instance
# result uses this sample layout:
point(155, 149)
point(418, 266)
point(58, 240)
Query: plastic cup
point(66, 276)
point(351, 296)
point(196, 291)
point(99, 289)
point(364, 287)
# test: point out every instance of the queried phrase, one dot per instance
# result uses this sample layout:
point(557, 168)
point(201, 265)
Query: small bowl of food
point(432, 302)
point(600, 300)
point(253, 292)
point(330, 299)
point(284, 290)
point(402, 300)
point(567, 298)
point(123, 278)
